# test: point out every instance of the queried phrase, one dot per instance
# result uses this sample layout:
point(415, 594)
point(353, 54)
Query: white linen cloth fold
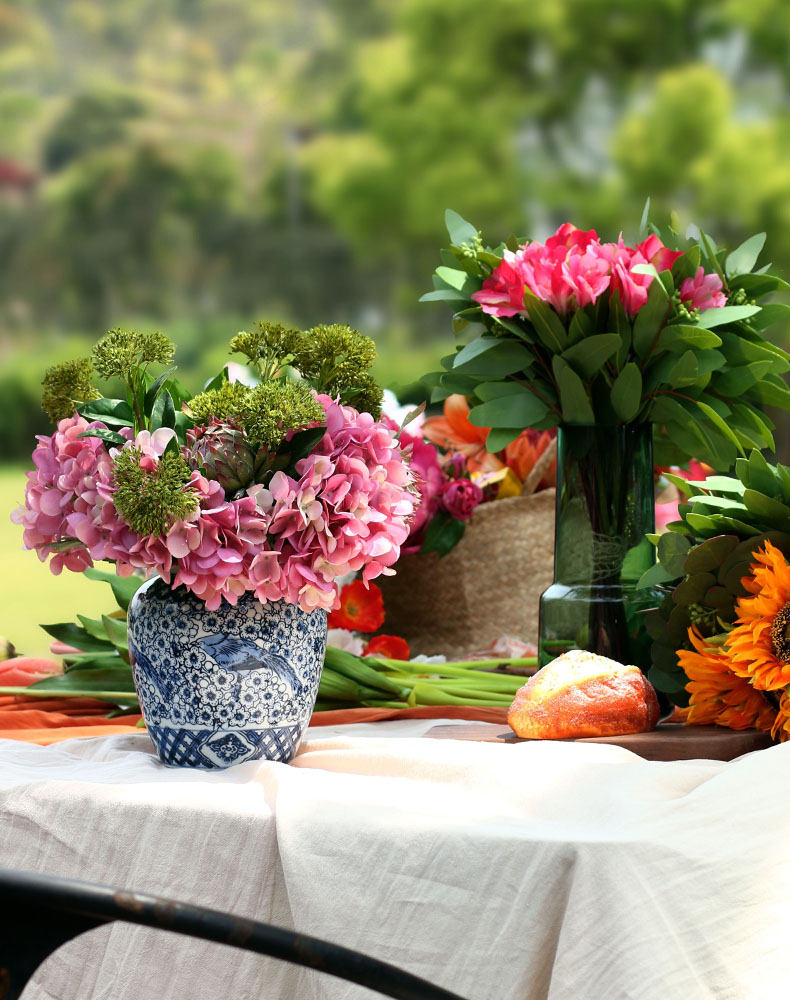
point(537, 871)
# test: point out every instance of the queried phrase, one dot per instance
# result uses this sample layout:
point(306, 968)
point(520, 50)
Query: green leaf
point(686, 266)
point(77, 637)
point(109, 436)
point(496, 358)
point(443, 295)
point(547, 323)
point(627, 392)
point(672, 552)
point(115, 629)
point(650, 319)
point(581, 327)
point(218, 381)
point(758, 285)
point(123, 587)
point(678, 337)
point(772, 511)
point(761, 476)
point(487, 391)
point(773, 312)
point(509, 411)
point(772, 391)
point(744, 257)
point(113, 412)
point(739, 351)
point(574, 400)
point(500, 437)
point(720, 424)
point(587, 356)
point(684, 371)
point(114, 685)
point(153, 391)
point(735, 381)
point(164, 411)
point(459, 229)
point(443, 534)
point(654, 577)
point(709, 555)
point(709, 318)
point(644, 220)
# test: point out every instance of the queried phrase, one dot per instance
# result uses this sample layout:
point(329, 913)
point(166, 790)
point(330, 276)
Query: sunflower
point(759, 644)
point(718, 696)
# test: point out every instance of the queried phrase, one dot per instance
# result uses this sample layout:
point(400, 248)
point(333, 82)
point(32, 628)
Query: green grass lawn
point(29, 593)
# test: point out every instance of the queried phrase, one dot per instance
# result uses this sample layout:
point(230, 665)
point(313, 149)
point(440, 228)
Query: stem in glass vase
point(605, 507)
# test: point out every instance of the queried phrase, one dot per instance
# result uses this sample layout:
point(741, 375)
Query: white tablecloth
point(541, 870)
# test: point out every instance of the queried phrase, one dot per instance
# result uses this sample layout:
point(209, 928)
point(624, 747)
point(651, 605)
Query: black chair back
point(39, 913)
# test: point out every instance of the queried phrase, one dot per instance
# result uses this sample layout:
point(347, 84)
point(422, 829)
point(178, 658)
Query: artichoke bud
point(222, 452)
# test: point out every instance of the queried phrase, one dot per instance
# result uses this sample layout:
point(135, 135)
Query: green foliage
point(151, 500)
point(274, 408)
point(66, 386)
point(700, 377)
point(704, 557)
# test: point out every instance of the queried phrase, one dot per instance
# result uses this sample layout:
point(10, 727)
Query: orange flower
point(522, 454)
point(719, 696)
point(388, 645)
point(782, 724)
point(453, 432)
point(759, 645)
point(361, 608)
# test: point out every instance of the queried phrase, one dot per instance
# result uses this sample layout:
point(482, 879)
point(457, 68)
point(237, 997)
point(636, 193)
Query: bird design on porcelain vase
point(240, 655)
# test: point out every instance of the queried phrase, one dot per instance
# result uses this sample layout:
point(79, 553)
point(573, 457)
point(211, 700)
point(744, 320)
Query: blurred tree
point(91, 121)
point(201, 159)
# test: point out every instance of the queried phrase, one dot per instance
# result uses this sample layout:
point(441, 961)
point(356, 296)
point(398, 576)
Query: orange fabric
point(46, 721)
point(50, 720)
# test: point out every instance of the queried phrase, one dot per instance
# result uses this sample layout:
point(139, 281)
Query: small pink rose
point(460, 497)
point(703, 291)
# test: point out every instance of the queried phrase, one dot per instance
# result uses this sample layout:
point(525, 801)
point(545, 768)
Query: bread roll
point(582, 694)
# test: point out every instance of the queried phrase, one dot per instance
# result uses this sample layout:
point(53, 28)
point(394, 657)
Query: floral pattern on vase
point(222, 687)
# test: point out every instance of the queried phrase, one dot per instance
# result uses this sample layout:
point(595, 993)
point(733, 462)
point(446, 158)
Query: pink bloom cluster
point(573, 268)
point(349, 510)
point(60, 496)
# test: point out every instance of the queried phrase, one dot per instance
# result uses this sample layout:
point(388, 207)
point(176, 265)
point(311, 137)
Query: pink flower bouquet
point(278, 488)
point(578, 330)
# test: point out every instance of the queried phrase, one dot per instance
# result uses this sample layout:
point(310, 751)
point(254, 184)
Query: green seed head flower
point(122, 351)
point(226, 401)
point(65, 387)
point(365, 395)
point(274, 408)
point(334, 356)
point(272, 341)
point(151, 501)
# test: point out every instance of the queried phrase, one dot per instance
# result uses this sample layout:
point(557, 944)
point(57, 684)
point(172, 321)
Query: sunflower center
point(780, 634)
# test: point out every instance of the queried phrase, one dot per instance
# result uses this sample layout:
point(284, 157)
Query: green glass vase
point(605, 507)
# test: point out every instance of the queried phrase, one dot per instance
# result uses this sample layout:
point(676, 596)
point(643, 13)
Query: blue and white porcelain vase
point(218, 688)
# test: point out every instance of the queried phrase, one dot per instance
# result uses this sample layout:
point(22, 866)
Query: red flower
point(361, 608)
point(388, 645)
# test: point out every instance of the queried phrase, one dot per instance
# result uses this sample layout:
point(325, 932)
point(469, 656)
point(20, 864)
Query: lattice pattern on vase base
point(210, 749)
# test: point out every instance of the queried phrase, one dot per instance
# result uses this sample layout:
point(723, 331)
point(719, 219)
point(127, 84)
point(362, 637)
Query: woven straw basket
point(487, 587)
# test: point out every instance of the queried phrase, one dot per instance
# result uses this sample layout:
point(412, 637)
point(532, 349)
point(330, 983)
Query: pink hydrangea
point(349, 510)
point(57, 495)
point(703, 291)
